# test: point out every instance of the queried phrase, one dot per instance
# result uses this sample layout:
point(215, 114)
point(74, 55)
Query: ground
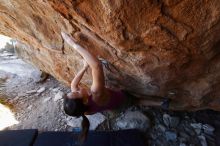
point(38, 105)
point(33, 108)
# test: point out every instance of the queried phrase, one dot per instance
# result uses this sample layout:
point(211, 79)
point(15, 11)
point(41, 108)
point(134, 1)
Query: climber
point(82, 101)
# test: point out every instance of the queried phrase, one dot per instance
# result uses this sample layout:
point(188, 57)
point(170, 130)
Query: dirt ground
point(32, 102)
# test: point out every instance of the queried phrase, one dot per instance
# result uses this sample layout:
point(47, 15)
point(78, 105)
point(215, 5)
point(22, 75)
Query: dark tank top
point(116, 99)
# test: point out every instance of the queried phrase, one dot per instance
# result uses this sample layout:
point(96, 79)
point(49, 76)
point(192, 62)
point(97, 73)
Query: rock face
point(167, 48)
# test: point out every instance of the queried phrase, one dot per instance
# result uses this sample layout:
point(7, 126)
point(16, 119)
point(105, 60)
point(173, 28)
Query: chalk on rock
point(95, 120)
point(58, 96)
point(133, 120)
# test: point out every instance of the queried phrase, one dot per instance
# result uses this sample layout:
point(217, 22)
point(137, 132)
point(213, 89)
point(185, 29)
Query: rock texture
point(166, 48)
point(133, 120)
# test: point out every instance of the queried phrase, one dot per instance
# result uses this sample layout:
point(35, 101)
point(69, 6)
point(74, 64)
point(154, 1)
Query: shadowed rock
point(164, 48)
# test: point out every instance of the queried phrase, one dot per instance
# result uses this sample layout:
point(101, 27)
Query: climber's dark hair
point(76, 108)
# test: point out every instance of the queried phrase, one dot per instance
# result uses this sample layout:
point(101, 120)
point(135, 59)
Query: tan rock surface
point(167, 48)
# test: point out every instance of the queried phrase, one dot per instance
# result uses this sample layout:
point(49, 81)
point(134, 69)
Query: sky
point(3, 40)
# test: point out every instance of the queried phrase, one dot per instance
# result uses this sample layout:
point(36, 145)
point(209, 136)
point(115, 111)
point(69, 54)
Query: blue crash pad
point(116, 138)
point(55, 139)
point(18, 137)
point(113, 138)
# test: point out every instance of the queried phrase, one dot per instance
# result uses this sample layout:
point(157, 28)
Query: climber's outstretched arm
point(88, 56)
point(75, 82)
point(98, 84)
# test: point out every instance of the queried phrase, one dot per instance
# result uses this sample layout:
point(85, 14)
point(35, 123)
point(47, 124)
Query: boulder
point(133, 120)
point(95, 120)
point(166, 48)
